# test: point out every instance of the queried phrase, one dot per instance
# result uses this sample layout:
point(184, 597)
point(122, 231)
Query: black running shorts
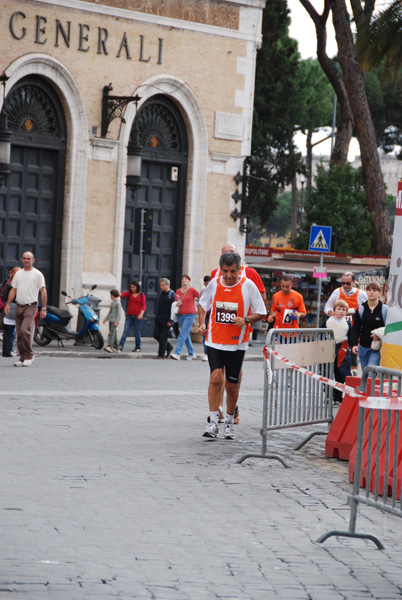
point(231, 361)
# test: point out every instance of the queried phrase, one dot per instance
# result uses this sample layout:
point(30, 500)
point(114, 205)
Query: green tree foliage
point(353, 84)
point(279, 223)
point(379, 49)
point(386, 109)
point(379, 41)
point(316, 99)
point(275, 108)
point(338, 200)
point(315, 95)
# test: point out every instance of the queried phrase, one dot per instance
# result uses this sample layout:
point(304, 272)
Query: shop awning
point(302, 266)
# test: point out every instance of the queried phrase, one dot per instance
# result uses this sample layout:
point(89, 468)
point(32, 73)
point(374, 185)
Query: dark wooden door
point(31, 205)
point(162, 196)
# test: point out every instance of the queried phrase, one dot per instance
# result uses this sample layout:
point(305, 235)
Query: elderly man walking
point(26, 285)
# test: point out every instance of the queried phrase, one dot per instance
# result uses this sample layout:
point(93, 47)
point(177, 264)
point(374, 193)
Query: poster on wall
point(391, 352)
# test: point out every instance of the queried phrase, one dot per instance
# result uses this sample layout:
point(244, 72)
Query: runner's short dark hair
point(230, 258)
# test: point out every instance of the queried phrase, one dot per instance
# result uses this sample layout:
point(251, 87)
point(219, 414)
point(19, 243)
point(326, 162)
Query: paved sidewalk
point(109, 491)
point(149, 349)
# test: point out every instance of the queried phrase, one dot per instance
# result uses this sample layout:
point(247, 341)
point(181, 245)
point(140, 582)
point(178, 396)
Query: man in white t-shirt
point(26, 285)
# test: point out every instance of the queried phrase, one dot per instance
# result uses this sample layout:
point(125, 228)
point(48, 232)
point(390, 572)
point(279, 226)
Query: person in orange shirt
point(255, 278)
point(287, 305)
point(234, 302)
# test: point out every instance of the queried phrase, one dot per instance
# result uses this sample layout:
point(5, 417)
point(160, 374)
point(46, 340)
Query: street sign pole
point(319, 292)
point(320, 241)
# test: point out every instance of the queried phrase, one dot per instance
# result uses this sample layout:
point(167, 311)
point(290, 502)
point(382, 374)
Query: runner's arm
point(241, 321)
point(328, 308)
point(201, 318)
point(301, 309)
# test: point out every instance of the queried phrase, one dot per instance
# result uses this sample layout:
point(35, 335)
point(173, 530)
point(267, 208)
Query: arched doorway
point(160, 202)
point(31, 205)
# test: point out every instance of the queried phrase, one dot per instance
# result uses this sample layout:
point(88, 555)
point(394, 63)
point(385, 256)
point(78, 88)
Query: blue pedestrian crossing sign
point(320, 238)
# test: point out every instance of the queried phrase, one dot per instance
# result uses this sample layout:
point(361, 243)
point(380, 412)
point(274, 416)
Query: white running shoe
point(175, 356)
point(19, 363)
point(228, 432)
point(212, 430)
point(27, 363)
point(191, 357)
point(205, 358)
point(108, 349)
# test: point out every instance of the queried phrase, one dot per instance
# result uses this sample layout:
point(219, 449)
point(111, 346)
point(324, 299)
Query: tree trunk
point(354, 85)
point(309, 164)
point(294, 207)
point(345, 126)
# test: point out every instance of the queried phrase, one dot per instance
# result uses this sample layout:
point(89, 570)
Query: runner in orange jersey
point(235, 302)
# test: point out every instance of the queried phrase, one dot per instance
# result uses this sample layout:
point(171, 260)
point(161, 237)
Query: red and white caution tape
point(331, 382)
point(382, 402)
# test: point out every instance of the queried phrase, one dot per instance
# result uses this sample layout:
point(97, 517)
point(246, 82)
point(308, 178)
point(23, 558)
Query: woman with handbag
point(185, 298)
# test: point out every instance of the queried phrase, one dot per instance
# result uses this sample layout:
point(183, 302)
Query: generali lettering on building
point(79, 36)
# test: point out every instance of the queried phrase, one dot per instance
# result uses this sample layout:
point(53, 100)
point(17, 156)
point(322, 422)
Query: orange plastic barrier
point(343, 432)
point(391, 453)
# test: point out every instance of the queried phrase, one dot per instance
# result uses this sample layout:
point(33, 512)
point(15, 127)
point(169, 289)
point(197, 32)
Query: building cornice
point(247, 34)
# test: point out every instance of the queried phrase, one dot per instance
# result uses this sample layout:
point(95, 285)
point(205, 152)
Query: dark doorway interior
point(163, 138)
point(31, 205)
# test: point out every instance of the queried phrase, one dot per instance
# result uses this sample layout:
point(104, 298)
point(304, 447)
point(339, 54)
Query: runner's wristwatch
point(246, 320)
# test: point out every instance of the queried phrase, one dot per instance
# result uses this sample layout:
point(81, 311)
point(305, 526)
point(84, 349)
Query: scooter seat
point(63, 315)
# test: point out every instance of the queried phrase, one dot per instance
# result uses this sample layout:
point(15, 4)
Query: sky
point(302, 29)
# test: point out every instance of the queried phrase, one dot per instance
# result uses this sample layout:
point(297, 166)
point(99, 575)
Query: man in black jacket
point(162, 319)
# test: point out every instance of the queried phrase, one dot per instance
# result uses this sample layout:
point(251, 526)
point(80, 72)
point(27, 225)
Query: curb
point(119, 356)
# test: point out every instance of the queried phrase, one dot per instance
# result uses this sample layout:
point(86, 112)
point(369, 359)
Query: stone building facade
point(192, 63)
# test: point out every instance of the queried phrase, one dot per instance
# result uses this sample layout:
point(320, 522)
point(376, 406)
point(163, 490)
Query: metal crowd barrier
point(378, 462)
point(293, 398)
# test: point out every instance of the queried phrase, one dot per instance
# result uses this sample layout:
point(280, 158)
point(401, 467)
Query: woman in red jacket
point(136, 307)
point(185, 296)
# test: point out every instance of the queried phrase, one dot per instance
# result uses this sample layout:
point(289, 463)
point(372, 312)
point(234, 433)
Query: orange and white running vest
point(351, 301)
point(228, 303)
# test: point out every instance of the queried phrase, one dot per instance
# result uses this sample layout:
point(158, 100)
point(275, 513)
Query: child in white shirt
point(342, 330)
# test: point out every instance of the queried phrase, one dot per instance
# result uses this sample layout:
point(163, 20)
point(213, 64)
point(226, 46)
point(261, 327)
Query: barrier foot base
point(272, 456)
point(339, 533)
point(308, 438)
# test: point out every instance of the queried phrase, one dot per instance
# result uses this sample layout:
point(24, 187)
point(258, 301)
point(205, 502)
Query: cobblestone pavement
point(109, 491)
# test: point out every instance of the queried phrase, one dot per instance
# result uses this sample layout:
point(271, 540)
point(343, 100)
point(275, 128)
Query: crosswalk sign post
point(320, 241)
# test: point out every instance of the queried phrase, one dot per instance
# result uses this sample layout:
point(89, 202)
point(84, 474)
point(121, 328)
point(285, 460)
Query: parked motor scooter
point(55, 325)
